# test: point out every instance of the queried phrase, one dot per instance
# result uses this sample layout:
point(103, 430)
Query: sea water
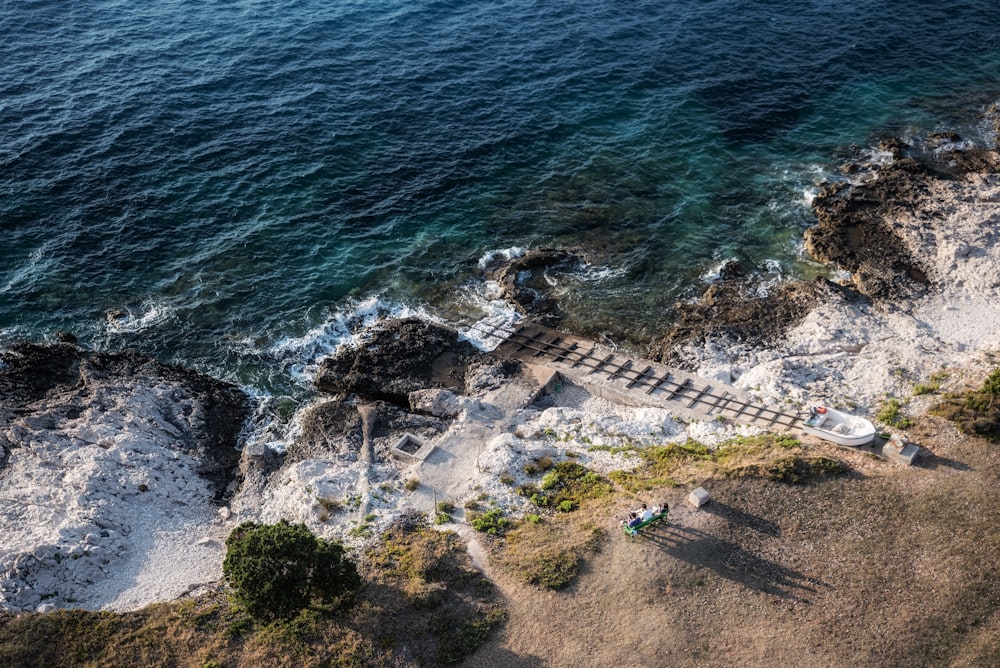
point(236, 186)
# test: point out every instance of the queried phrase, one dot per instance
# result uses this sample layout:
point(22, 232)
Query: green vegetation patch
point(276, 570)
point(891, 413)
point(493, 521)
point(776, 457)
point(550, 554)
point(976, 412)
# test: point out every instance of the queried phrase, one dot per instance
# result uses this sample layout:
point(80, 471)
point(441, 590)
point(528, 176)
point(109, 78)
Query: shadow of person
point(734, 562)
point(743, 518)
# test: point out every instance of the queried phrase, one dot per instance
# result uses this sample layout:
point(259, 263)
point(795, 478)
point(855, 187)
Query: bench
point(632, 531)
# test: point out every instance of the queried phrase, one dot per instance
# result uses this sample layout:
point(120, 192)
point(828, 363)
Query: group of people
point(643, 514)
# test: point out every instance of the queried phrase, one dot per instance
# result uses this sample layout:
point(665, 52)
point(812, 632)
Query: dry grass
point(883, 566)
point(574, 502)
point(976, 411)
point(423, 604)
point(775, 457)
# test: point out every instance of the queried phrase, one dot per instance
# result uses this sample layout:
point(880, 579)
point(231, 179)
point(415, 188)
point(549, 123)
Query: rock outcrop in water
point(525, 282)
point(739, 309)
point(397, 359)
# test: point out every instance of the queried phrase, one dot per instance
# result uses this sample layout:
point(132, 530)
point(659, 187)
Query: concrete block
point(904, 456)
point(698, 497)
point(899, 450)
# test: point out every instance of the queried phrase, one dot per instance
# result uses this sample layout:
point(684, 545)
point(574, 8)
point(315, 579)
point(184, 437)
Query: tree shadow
point(742, 518)
point(734, 563)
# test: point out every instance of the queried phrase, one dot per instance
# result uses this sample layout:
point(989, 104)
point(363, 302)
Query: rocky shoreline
point(120, 476)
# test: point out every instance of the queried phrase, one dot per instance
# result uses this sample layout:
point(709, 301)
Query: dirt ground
point(887, 566)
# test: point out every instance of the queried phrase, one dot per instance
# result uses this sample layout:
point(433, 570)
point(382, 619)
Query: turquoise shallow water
point(232, 180)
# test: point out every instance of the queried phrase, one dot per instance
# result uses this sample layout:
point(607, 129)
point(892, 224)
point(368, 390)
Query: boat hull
point(840, 428)
point(849, 440)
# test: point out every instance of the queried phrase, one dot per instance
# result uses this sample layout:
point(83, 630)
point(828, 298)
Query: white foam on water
point(714, 273)
point(498, 318)
point(131, 320)
point(491, 257)
point(597, 274)
point(265, 426)
point(343, 327)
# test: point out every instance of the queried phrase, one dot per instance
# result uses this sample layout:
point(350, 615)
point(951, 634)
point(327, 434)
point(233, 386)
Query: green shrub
point(411, 484)
point(492, 522)
point(527, 490)
point(550, 480)
point(540, 500)
point(276, 570)
point(976, 412)
point(566, 505)
point(892, 415)
point(445, 507)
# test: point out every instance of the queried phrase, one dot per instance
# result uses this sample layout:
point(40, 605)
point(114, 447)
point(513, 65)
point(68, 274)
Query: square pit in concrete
point(411, 447)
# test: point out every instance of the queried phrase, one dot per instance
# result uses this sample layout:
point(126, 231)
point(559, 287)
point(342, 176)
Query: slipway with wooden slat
point(642, 381)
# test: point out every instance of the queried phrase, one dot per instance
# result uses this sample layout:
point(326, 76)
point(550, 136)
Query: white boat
point(841, 428)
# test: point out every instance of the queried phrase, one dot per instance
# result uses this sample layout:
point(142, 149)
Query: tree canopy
point(276, 570)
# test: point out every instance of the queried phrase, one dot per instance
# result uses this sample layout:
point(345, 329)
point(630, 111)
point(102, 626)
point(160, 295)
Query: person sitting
point(633, 520)
point(663, 510)
point(645, 513)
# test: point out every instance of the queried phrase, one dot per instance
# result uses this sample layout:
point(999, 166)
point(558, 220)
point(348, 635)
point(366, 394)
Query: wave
point(344, 326)
point(130, 320)
point(492, 257)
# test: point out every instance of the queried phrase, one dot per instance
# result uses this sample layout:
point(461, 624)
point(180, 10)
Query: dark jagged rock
point(973, 161)
point(399, 357)
point(738, 308)
point(60, 381)
point(854, 231)
point(524, 281)
point(855, 224)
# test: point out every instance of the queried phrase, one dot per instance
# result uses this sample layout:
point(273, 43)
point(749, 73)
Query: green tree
point(276, 570)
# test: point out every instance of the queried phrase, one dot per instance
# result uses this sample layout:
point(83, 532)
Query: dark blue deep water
point(222, 184)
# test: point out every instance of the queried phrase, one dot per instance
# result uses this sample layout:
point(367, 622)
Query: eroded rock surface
point(104, 451)
point(886, 230)
point(739, 309)
point(524, 282)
